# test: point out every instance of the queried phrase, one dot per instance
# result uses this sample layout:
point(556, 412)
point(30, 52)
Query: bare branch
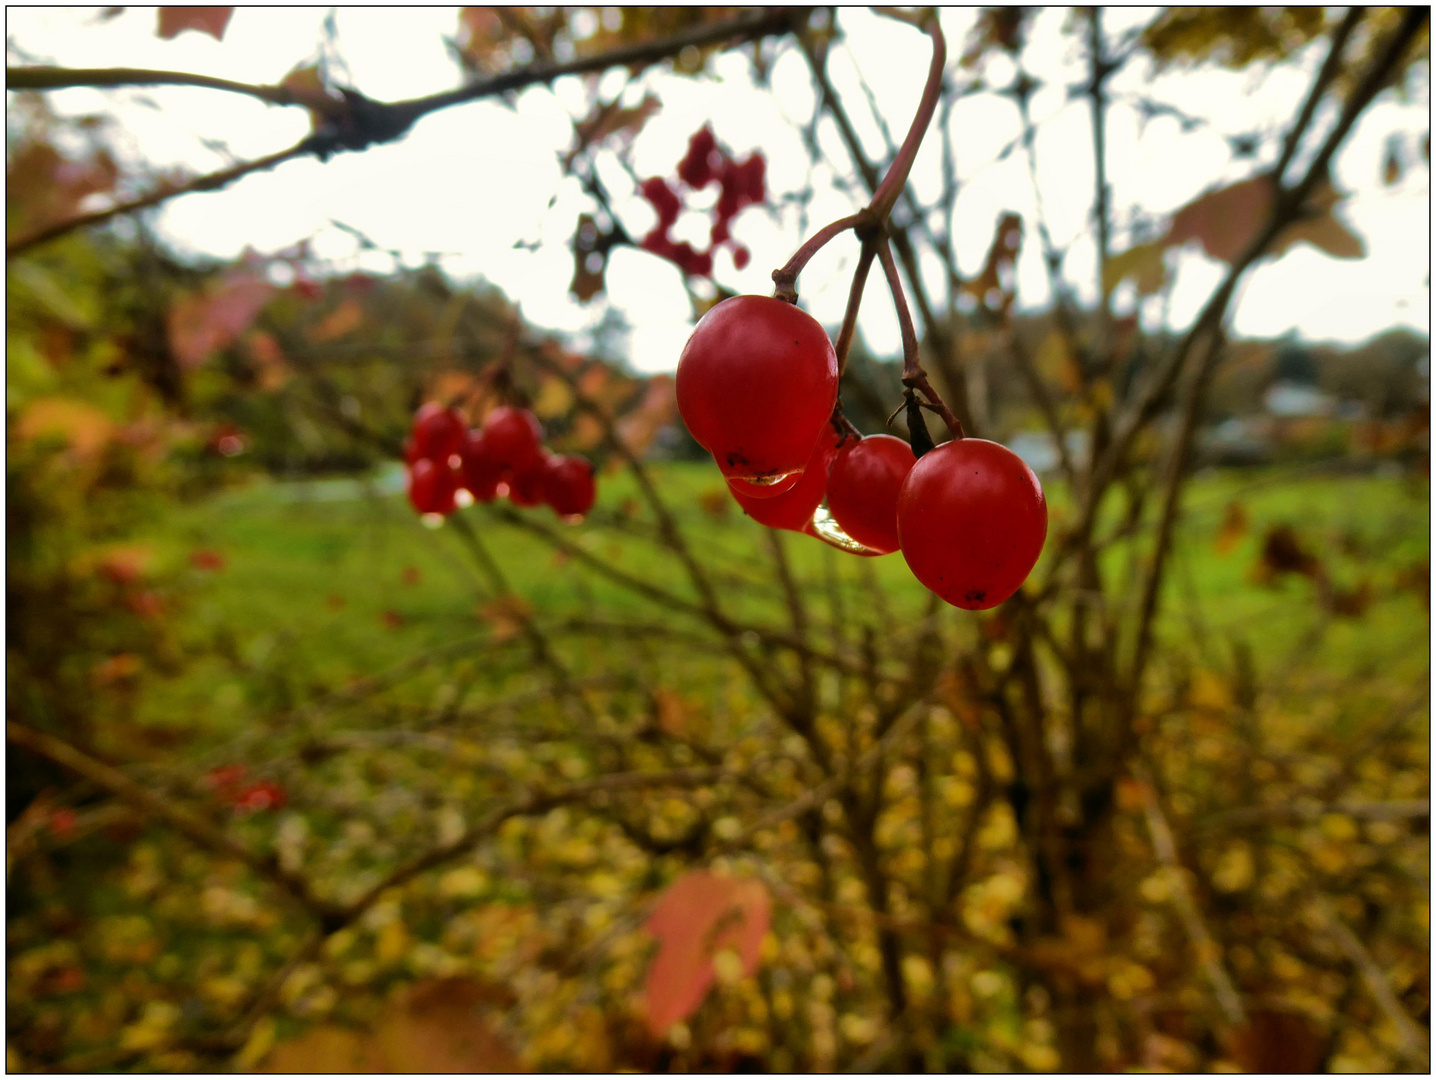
point(210, 182)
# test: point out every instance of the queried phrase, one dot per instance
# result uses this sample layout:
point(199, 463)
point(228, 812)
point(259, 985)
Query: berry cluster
point(505, 456)
point(229, 785)
point(740, 184)
point(757, 386)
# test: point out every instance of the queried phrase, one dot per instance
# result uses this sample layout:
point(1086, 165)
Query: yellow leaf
point(1145, 263)
point(554, 398)
point(83, 427)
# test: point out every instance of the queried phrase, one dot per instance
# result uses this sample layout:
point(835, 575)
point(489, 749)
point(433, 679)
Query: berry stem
point(887, 193)
point(850, 315)
point(913, 375)
point(785, 279)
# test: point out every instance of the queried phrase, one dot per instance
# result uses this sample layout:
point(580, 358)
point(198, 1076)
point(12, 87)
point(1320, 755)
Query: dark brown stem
point(54, 78)
point(912, 373)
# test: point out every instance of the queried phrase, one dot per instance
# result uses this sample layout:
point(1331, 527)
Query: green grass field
point(327, 582)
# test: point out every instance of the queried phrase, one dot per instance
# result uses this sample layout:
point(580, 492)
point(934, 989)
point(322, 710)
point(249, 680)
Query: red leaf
point(202, 323)
point(207, 20)
point(699, 915)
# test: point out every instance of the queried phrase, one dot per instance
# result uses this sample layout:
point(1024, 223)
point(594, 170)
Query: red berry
point(568, 486)
point(793, 509)
point(660, 196)
point(740, 257)
point(437, 433)
point(696, 168)
point(756, 384)
point(482, 474)
point(972, 520)
point(527, 487)
point(863, 490)
point(514, 438)
point(264, 795)
point(433, 486)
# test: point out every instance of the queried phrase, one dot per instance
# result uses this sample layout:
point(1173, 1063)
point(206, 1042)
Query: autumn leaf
point(611, 119)
point(1056, 362)
point(344, 319)
point(506, 617)
point(204, 322)
point(1227, 220)
point(996, 287)
point(436, 1026)
point(84, 428)
point(699, 915)
point(1144, 263)
point(1233, 527)
point(654, 410)
point(207, 20)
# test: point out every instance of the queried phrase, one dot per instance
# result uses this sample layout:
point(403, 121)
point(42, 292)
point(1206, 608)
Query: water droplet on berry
point(463, 497)
point(826, 528)
point(431, 521)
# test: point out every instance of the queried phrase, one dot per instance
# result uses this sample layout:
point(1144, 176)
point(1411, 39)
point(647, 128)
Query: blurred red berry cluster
point(741, 183)
point(228, 784)
point(505, 456)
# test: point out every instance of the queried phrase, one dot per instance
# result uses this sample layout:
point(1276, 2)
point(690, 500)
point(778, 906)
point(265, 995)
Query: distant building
point(1292, 400)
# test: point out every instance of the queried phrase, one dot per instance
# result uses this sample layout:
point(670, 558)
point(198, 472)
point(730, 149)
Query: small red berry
point(514, 438)
point(972, 520)
point(433, 487)
point(793, 509)
point(661, 197)
point(437, 433)
point(696, 168)
point(740, 257)
point(482, 474)
point(863, 489)
point(756, 384)
point(569, 486)
point(527, 488)
point(264, 795)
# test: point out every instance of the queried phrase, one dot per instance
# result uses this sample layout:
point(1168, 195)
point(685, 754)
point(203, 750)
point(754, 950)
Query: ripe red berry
point(528, 487)
point(437, 433)
point(863, 489)
point(513, 438)
point(972, 520)
point(482, 474)
point(568, 486)
point(756, 384)
point(433, 487)
point(740, 257)
point(263, 795)
point(793, 509)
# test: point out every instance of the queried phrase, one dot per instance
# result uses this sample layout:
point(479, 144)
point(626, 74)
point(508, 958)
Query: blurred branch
point(1413, 1040)
point(1286, 209)
point(356, 122)
point(1367, 810)
point(210, 182)
point(54, 78)
point(1206, 948)
point(1324, 79)
point(180, 818)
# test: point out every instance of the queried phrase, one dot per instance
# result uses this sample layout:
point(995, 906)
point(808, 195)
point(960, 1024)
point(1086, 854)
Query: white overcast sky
point(471, 182)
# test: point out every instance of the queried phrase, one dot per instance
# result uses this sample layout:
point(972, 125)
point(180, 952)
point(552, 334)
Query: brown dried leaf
point(996, 287)
point(1233, 528)
point(609, 119)
point(1227, 220)
point(207, 20)
point(716, 503)
point(506, 617)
